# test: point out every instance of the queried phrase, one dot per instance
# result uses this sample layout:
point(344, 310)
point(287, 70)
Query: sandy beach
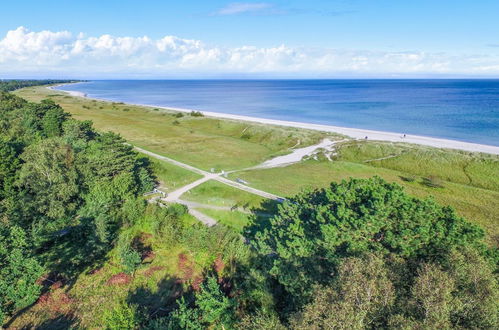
point(72, 93)
point(354, 133)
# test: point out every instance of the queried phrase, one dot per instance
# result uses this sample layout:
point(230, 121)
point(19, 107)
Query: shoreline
point(355, 133)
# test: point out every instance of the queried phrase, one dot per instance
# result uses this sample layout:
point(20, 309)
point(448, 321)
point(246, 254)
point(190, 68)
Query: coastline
point(355, 133)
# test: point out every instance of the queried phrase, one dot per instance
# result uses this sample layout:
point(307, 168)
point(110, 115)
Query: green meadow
point(202, 142)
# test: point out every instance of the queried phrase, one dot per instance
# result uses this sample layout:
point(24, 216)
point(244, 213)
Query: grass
point(171, 177)
point(474, 169)
point(233, 219)
point(199, 141)
point(219, 194)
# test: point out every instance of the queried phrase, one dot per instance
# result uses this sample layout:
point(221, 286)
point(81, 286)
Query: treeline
point(360, 254)
point(11, 85)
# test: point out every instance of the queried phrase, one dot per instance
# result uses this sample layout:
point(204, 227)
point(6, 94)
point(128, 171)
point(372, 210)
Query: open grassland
point(203, 142)
point(233, 219)
point(171, 177)
point(219, 194)
point(474, 169)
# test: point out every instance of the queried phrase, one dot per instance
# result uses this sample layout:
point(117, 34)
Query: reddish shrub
point(44, 298)
point(148, 256)
point(186, 267)
point(95, 271)
point(196, 283)
point(119, 279)
point(152, 270)
point(56, 285)
point(219, 265)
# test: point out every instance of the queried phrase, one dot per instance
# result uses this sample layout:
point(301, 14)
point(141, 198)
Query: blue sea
point(465, 110)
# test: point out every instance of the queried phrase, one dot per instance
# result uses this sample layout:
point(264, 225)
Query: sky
point(162, 39)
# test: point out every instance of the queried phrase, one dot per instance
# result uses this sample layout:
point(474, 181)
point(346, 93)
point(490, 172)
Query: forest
point(11, 85)
point(77, 232)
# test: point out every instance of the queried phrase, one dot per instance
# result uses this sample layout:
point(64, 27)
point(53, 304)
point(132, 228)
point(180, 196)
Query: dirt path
point(175, 195)
point(209, 221)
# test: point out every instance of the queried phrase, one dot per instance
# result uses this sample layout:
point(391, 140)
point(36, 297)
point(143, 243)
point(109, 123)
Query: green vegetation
point(81, 247)
point(219, 194)
point(363, 254)
point(171, 177)
point(11, 85)
point(473, 169)
point(234, 219)
point(471, 200)
point(199, 141)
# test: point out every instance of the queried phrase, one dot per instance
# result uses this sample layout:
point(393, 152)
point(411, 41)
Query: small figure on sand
point(404, 136)
point(366, 137)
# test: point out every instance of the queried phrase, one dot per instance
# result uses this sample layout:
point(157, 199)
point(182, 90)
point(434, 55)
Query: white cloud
point(243, 7)
point(46, 53)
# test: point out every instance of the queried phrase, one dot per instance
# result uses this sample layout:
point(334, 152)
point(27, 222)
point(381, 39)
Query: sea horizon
point(464, 110)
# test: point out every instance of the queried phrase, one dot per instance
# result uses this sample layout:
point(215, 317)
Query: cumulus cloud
point(243, 7)
point(63, 54)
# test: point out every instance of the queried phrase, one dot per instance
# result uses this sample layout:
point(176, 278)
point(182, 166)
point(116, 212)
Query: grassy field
point(219, 194)
point(203, 142)
point(474, 169)
point(171, 177)
point(233, 219)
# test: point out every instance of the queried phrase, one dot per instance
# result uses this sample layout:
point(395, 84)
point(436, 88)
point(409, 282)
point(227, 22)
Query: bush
point(123, 316)
point(246, 136)
point(130, 259)
point(178, 115)
point(175, 122)
point(408, 178)
point(196, 114)
point(433, 182)
point(177, 210)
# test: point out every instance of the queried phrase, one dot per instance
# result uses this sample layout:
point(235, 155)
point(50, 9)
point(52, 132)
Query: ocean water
point(464, 110)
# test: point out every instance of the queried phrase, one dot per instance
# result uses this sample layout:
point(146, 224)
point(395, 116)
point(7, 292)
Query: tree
point(9, 164)
point(432, 297)
point(211, 309)
point(359, 297)
point(477, 297)
point(49, 179)
point(53, 119)
point(19, 271)
point(215, 307)
point(122, 316)
point(305, 242)
point(130, 259)
point(183, 317)
point(78, 133)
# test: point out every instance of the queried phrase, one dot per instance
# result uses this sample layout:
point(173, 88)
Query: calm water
point(466, 110)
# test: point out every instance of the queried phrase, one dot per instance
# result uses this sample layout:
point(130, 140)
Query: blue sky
point(256, 38)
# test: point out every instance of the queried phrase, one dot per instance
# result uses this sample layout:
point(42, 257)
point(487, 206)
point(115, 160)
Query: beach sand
point(355, 133)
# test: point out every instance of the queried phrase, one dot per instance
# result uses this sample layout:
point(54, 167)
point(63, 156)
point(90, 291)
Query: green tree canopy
point(19, 271)
point(313, 231)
